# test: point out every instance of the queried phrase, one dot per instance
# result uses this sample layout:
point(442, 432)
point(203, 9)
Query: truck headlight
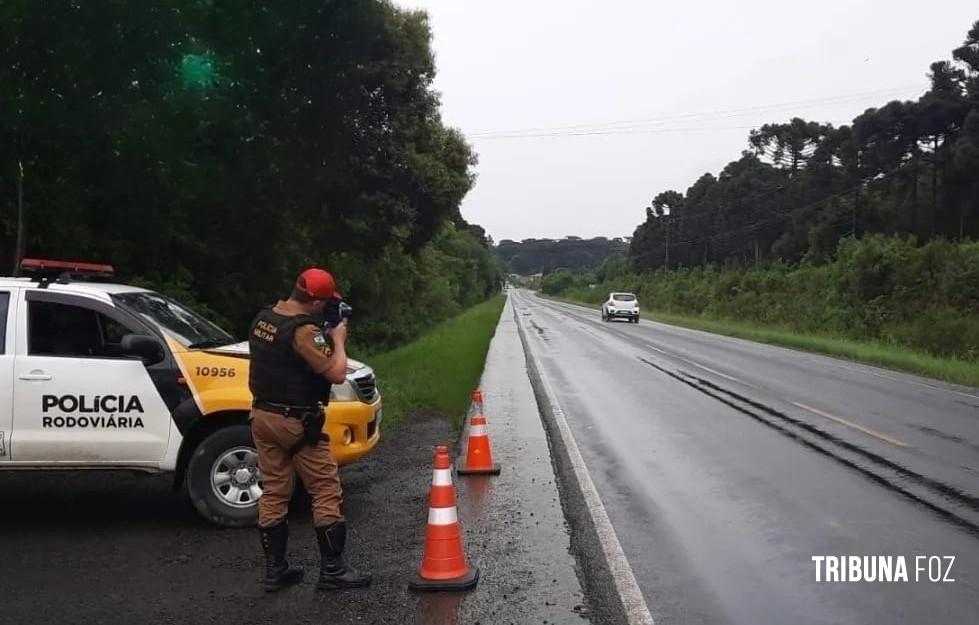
point(343, 392)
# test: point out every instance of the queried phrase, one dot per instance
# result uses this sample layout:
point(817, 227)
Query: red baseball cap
point(318, 284)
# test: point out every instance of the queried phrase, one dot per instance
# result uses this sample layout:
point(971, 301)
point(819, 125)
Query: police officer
point(292, 368)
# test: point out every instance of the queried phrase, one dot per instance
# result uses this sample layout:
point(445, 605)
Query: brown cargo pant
point(274, 435)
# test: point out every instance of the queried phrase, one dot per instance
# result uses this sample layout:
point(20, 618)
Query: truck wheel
point(223, 478)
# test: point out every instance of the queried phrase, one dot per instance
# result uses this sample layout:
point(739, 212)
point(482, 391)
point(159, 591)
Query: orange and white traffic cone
point(444, 563)
point(479, 456)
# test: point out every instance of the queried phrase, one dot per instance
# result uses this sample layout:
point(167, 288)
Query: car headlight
point(343, 392)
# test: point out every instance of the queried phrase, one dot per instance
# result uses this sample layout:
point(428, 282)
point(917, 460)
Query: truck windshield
point(180, 322)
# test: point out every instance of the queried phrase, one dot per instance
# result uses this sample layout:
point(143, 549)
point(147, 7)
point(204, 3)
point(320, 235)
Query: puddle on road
point(474, 492)
point(439, 609)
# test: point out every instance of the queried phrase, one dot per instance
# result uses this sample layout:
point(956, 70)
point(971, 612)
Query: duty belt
point(286, 410)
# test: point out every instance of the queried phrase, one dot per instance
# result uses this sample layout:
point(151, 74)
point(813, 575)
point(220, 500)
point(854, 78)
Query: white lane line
point(636, 610)
point(915, 382)
point(860, 368)
point(678, 357)
point(851, 424)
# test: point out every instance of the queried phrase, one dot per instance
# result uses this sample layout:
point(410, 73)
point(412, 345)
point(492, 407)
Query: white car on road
point(621, 305)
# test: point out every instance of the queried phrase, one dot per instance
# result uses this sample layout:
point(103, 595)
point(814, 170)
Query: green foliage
point(887, 355)
point(906, 168)
point(437, 371)
point(213, 149)
point(880, 289)
point(532, 256)
point(859, 232)
point(410, 292)
point(557, 281)
point(561, 280)
point(612, 267)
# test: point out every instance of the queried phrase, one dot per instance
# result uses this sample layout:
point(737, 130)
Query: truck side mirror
point(147, 348)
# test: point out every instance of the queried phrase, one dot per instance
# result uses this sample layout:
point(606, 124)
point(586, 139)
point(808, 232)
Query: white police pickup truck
point(111, 376)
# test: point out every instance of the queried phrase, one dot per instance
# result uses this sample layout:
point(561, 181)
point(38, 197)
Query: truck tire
point(223, 478)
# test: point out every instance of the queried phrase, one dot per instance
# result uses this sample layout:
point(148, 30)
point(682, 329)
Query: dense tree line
point(211, 148)
point(906, 168)
point(878, 288)
point(532, 256)
point(562, 280)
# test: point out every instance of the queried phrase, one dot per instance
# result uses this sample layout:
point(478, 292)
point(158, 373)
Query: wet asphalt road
point(725, 466)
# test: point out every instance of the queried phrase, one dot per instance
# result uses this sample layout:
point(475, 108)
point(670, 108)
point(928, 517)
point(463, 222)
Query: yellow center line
point(851, 424)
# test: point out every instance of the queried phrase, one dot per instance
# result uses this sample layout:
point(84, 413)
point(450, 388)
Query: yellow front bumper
point(354, 428)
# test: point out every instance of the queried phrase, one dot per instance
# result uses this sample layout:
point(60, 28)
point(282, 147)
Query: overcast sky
point(606, 68)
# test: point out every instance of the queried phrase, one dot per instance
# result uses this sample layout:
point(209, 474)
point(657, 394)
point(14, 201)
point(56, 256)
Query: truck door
point(6, 373)
point(77, 399)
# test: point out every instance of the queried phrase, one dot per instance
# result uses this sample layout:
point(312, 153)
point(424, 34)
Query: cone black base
point(434, 585)
point(494, 470)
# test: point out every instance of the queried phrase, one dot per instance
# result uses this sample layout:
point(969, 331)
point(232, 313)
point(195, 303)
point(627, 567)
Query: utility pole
point(934, 187)
point(668, 220)
point(856, 196)
point(19, 245)
point(961, 220)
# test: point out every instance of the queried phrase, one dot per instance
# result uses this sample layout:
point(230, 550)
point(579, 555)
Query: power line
point(633, 131)
point(617, 131)
point(600, 127)
point(766, 192)
point(751, 227)
point(823, 100)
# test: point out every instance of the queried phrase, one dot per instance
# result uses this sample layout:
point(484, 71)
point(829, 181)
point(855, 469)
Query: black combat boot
point(334, 572)
point(278, 573)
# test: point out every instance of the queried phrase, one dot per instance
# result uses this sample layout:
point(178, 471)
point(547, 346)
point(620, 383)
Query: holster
point(312, 421)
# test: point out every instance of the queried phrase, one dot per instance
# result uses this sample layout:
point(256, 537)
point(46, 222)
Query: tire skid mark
point(790, 426)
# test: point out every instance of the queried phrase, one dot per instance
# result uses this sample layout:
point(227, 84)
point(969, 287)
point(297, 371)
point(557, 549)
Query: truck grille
point(366, 387)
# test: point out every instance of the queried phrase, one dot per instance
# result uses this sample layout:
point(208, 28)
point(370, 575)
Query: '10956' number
point(216, 372)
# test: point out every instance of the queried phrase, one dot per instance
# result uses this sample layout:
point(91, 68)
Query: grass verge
point(437, 372)
point(882, 354)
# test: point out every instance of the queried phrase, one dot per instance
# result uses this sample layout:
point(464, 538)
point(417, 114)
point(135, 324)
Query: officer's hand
point(339, 332)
